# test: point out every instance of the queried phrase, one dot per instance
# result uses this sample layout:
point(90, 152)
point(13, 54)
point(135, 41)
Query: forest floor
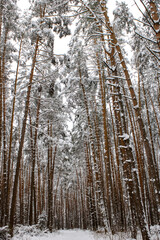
point(75, 234)
point(64, 235)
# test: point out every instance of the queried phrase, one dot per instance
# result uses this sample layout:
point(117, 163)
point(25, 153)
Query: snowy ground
point(63, 235)
point(27, 233)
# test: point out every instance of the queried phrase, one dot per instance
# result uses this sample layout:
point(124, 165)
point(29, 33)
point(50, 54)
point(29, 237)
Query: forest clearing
point(80, 130)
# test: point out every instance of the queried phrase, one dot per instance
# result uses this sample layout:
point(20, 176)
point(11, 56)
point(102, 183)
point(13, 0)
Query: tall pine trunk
point(15, 187)
point(33, 166)
point(11, 134)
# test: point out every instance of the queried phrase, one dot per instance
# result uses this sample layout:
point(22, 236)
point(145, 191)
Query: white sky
point(23, 4)
point(61, 45)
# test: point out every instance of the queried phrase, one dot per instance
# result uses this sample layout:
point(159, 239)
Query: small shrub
point(42, 221)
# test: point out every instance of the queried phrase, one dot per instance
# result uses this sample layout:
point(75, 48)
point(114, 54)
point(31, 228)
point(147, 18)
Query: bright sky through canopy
point(61, 45)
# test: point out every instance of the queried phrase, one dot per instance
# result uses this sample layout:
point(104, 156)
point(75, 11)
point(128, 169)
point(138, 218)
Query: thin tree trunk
point(4, 180)
point(39, 204)
point(1, 81)
point(106, 213)
point(11, 132)
point(52, 178)
point(33, 164)
point(13, 204)
point(107, 159)
point(91, 191)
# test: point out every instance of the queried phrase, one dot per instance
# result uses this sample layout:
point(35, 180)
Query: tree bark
point(13, 204)
point(33, 166)
point(11, 133)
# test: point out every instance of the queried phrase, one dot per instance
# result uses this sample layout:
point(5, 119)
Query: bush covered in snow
point(42, 221)
point(4, 233)
point(33, 230)
point(155, 232)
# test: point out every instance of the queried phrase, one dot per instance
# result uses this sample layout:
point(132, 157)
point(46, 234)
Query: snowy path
point(77, 234)
point(65, 235)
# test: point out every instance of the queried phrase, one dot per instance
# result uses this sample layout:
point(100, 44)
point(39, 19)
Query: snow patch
point(125, 136)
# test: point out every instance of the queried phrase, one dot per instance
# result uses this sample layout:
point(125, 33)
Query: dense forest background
point(80, 132)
